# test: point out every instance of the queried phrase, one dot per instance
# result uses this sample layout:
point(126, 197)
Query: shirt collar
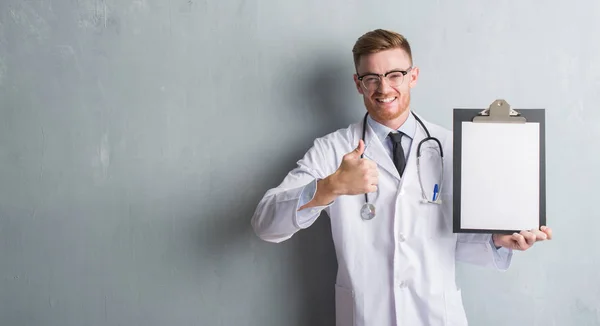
point(408, 128)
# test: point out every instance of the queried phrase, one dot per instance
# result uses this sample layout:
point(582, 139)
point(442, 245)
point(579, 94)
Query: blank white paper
point(500, 176)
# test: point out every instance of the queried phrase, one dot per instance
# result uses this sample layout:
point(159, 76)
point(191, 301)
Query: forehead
point(383, 61)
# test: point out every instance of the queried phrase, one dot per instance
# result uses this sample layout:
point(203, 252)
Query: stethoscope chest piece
point(368, 211)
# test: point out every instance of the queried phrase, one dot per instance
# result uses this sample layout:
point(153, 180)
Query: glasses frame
point(381, 76)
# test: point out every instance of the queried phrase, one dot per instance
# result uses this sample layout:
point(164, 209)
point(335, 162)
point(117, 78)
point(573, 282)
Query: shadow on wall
point(334, 103)
point(332, 96)
point(328, 91)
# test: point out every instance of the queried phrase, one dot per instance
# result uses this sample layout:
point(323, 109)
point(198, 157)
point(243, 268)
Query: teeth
point(386, 100)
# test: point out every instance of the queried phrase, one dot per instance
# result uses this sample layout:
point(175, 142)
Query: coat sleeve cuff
point(306, 217)
point(502, 257)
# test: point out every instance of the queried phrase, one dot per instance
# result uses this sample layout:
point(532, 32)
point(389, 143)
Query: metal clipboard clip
point(499, 111)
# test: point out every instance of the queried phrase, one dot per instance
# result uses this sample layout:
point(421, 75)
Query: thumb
point(359, 150)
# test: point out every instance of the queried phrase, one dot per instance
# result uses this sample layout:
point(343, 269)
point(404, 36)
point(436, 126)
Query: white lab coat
point(399, 268)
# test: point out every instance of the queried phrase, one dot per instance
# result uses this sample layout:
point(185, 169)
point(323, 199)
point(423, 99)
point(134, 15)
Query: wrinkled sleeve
point(277, 216)
point(479, 249)
point(307, 216)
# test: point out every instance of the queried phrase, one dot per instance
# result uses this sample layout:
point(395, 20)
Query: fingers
point(529, 237)
point(370, 180)
point(359, 175)
point(373, 175)
point(547, 231)
point(539, 235)
point(370, 167)
point(520, 240)
point(368, 163)
point(370, 175)
point(369, 170)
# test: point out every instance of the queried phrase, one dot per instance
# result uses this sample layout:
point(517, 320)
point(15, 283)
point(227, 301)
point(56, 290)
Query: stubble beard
point(383, 116)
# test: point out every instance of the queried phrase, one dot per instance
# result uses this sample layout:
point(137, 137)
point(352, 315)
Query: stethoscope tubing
point(428, 138)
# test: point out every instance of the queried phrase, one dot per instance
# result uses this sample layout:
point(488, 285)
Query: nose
point(384, 85)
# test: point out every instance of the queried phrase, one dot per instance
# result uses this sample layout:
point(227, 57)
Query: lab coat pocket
point(455, 312)
point(344, 306)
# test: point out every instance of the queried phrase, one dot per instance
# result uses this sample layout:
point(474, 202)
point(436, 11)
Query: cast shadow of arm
point(328, 93)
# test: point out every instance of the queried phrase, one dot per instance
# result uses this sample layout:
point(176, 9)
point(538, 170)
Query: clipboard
point(499, 171)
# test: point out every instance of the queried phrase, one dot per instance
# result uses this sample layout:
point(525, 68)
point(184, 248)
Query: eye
point(370, 79)
point(396, 76)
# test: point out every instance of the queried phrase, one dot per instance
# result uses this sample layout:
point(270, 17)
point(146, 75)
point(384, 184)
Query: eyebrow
point(374, 73)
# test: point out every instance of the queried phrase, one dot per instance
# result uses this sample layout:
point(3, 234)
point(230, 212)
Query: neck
point(396, 122)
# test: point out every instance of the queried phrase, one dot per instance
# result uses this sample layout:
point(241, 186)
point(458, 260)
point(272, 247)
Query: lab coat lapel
point(375, 151)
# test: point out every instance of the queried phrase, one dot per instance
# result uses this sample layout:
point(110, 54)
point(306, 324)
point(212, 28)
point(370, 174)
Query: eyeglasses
point(394, 78)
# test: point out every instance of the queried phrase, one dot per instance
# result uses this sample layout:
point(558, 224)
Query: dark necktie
point(398, 152)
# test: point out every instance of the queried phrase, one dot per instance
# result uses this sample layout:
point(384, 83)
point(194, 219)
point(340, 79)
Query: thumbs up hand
point(356, 175)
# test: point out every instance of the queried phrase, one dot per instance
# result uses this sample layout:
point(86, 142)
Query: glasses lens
point(373, 82)
point(395, 79)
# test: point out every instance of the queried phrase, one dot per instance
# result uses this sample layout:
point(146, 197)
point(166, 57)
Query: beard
point(382, 113)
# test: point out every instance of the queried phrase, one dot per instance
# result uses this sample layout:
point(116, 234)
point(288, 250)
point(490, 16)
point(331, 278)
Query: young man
point(398, 267)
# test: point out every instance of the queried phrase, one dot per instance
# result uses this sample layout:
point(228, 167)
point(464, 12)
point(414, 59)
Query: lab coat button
point(402, 284)
point(401, 237)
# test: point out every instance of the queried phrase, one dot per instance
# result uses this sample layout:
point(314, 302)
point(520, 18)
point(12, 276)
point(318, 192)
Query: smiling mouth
point(386, 100)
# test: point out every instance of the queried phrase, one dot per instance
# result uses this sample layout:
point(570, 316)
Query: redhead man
point(396, 266)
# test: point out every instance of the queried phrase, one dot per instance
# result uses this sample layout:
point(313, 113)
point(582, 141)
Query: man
point(397, 268)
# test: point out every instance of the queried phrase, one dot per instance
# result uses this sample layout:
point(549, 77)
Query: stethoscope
point(367, 211)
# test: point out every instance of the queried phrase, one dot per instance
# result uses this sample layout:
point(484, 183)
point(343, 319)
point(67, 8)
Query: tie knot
point(396, 136)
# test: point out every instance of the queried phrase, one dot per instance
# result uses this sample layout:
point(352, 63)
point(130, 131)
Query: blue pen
point(435, 192)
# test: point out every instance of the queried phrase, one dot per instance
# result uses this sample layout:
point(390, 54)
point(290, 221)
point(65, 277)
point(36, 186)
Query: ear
point(358, 85)
point(414, 76)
